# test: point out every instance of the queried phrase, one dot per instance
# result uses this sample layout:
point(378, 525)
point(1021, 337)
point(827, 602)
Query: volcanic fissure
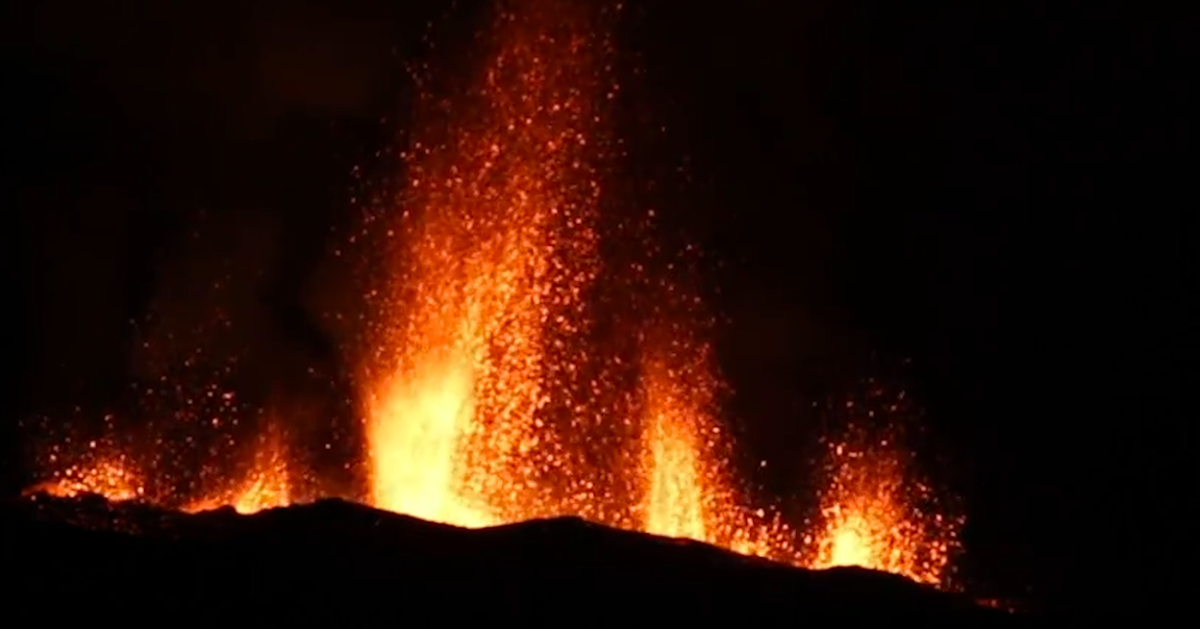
point(488, 389)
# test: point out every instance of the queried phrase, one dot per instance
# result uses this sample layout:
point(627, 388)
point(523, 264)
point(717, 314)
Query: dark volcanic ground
point(86, 559)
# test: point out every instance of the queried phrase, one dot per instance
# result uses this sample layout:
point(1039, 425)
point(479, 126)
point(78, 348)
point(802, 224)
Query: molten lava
point(108, 477)
point(487, 398)
point(877, 513)
point(675, 499)
point(498, 249)
point(688, 489)
point(266, 486)
point(414, 439)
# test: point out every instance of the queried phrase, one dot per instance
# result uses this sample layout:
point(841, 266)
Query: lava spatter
point(496, 382)
point(265, 485)
point(113, 478)
point(677, 502)
point(876, 509)
point(485, 294)
point(689, 481)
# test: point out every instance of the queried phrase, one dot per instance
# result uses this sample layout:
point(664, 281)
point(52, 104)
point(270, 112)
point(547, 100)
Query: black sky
point(983, 193)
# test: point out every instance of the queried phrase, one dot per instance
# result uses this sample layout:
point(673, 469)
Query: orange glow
point(675, 500)
point(498, 249)
point(872, 516)
point(413, 441)
point(484, 393)
point(266, 486)
point(109, 477)
point(687, 488)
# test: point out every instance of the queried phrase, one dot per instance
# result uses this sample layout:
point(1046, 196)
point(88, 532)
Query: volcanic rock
point(333, 561)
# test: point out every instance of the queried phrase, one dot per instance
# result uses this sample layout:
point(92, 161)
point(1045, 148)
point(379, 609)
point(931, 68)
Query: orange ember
point(485, 394)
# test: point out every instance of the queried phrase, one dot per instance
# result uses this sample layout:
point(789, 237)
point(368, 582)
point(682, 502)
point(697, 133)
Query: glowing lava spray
point(499, 246)
point(513, 368)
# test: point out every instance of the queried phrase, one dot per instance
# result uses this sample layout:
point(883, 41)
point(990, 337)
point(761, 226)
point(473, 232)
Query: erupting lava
point(106, 472)
point(267, 485)
point(675, 499)
point(875, 512)
point(498, 250)
point(110, 478)
point(688, 493)
point(485, 394)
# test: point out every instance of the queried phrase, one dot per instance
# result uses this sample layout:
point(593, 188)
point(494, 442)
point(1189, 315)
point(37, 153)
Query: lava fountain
point(497, 249)
point(110, 477)
point(509, 370)
point(266, 485)
point(676, 483)
point(687, 474)
point(877, 512)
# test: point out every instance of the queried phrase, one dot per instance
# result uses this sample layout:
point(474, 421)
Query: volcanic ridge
point(86, 557)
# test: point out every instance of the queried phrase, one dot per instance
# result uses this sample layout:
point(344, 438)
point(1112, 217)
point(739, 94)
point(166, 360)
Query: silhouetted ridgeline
point(341, 562)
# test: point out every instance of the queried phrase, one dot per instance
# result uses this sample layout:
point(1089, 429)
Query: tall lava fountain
point(498, 249)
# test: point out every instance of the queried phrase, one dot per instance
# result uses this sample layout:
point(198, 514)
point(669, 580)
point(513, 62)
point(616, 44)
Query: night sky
point(974, 200)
